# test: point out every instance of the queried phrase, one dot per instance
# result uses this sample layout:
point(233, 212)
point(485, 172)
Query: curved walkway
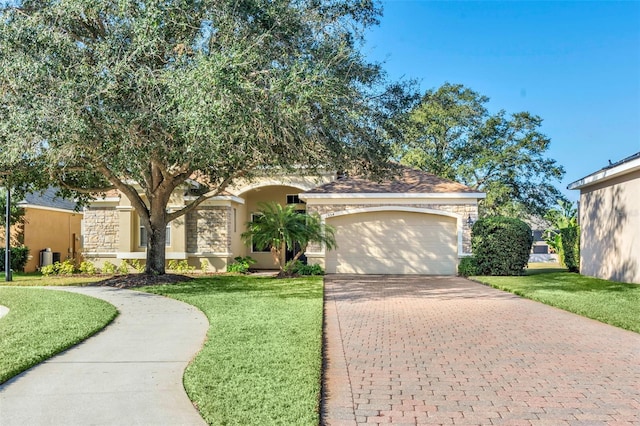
point(129, 373)
point(434, 350)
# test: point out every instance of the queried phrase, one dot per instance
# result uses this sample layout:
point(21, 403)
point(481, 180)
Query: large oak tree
point(451, 133)
point(148, 96)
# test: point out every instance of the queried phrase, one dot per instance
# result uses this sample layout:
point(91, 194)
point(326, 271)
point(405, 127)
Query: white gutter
point(606, 174)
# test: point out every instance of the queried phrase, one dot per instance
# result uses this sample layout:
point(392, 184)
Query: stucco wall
point(610, 229)
point(56, 230)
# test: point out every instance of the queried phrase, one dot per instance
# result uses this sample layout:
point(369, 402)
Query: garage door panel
point(393, 243)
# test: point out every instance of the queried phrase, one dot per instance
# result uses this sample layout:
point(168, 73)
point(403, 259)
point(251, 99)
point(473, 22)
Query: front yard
point(610, 302)
point(42, 323)
point(262, 360)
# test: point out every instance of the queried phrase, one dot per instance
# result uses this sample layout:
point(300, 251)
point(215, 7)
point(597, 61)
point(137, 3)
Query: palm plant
point(564, 215)
point(279, 228)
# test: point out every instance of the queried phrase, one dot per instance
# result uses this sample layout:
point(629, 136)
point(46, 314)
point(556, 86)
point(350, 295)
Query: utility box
point(46, 257)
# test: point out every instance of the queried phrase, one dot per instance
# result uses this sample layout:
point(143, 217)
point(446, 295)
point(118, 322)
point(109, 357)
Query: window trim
point(142, 231)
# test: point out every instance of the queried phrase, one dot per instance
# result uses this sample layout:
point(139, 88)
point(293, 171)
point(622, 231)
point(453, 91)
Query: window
point(143, 236)
point(294, 199)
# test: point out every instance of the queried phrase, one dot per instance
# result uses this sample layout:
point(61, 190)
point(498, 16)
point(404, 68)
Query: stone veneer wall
point(100, 230)
point(208, 230)
point(464, 210)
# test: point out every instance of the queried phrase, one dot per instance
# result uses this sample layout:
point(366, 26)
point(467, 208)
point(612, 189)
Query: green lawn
point(607, 301)
point(36, 279)
point(261, 363)
point(42, 323)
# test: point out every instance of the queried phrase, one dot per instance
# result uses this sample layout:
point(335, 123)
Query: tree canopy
point(148, 96)
point(451, 133)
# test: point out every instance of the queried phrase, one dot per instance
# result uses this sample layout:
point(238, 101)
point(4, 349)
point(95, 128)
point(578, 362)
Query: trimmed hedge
point(501, 245)
point(571, 248)
point(467, 267)
point(19, 257)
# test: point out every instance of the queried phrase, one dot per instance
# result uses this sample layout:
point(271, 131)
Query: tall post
point(7, 251)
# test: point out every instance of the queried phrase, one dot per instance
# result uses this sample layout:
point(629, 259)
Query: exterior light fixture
point(470, 221)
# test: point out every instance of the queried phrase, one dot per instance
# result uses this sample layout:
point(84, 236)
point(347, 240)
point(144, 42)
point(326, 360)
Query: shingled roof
point(410, 181)
point(48, 198)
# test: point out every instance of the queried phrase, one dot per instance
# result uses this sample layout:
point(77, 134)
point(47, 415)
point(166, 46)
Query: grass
point(42, 323)
point(36, 279)
point(610, 302)
point(262, 360)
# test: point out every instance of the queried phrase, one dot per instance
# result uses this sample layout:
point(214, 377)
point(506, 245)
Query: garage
point(393, 242)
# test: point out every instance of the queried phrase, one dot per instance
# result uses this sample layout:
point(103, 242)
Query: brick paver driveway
point(433, 350)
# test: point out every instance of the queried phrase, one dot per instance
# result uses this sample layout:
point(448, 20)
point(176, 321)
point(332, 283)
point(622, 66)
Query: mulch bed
point(141, 280)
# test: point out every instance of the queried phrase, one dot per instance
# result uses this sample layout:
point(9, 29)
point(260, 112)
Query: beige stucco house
point(610, 221)
point(415, 224)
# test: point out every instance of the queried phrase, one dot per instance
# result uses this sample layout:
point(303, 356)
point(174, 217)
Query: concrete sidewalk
point(128, 374)
point(444, 350)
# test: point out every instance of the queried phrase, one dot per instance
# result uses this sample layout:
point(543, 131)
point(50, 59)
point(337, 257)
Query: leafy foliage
point(87, 267)
point(450, 133)
point(299, 268)
point(467, 267)
point(147, 97)
point(58, 268)
point(501, 245)
point(241, 264)
point(19, 257)
point(280, 228)
point(570, 237)
point(181, 266)
point(108, 268)
point(563, 216)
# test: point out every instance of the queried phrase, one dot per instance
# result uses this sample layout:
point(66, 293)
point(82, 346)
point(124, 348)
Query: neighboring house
point(51, 223)
point(540, 250)
point(609, 218)
point(416, 224)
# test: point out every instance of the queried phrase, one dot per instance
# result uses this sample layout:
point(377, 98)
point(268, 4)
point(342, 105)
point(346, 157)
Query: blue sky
point(575, 64)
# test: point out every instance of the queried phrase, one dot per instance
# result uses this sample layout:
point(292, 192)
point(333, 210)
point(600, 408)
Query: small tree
point(562, 217)
point(501, 245)
point(280, 228)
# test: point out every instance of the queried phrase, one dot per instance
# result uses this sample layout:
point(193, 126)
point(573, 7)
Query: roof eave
point(606, 174)
point(394, 195)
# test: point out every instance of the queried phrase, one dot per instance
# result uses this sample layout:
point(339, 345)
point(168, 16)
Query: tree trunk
point(156, 247)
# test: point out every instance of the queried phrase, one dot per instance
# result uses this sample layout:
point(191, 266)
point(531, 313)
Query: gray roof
point(48, 198)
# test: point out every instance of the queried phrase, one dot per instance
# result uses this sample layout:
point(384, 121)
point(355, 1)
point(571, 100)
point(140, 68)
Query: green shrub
point(108, 268)
point(571, 248)
point(204, 265)
point(123, 268)
point(66, 268)
point(87, 267)
point(501, 245)
point(19, 257)
point(48, 270)
point(137, 265)
point(467, 267)
point(241, 264)
point(299, 268)
point(181, 266)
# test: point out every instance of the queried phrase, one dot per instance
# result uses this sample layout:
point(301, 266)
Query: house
point(609, 218)
point(540, 250)
point(414, 224)
point(50, 222)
